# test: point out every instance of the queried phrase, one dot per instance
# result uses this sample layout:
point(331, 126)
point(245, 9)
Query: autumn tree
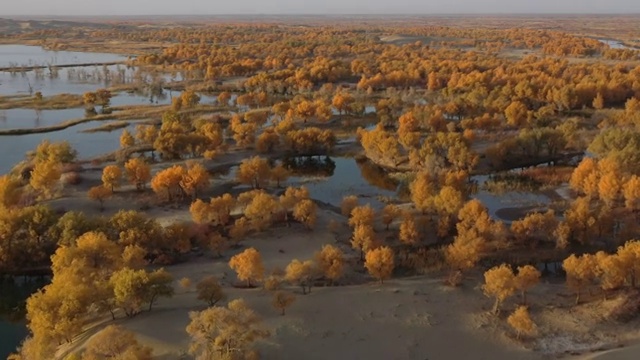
point(389, 213)
point(535, 227)
point(422, 191)
point(10, 191)
point(363, 239)
point(111, 177)
point(301, 273)
point(209, 290)
point(282, 300)
point(581, 272)
point(99, 193)
point(499, 283)
point(409, 234)
point(631, 193)
point(380, 263)
point(261, 210)
point(330, 261)
point(126, 139)
point(527, 277)
point(516, 113)
point(189, 98)
point(248, 265)
point(254, 171)
point(138, 172)
point(279, 174)
point(116, 342)
point(229, 332)
point(521, 322)
point(348, 204)
point(342, 101)
point(194, 179)
point(44, 176)
point(362, 216)
point(305, 212)
point(134, 288)
point(465, 251)
point(167, 183)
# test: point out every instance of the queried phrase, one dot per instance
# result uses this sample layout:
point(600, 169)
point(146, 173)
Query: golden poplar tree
point(138, 172)
point(126, 139)
point(380, 263)
point(305, 212)
point(282, 300)
point(248, 265)
point(44, 177)
point(389, 213)
point(330, 261)
point(111, 177)
point(301, 273)
point(99, 193)
point(363, 239)
point(521, 322)
point(209, 290)
point(499, 283)
point(528, 277)
point(581, 272)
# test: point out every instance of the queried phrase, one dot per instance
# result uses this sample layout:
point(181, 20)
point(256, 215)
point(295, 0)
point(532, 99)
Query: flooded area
point(614, 44)
point(26, 55)
point(88, 145)
point(507, 200)
point(330, 179)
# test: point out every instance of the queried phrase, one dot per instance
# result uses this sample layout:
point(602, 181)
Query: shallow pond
point(331, 179)
point(508, 199)
point(614, 44)
point(88, 145)
point(30, 118)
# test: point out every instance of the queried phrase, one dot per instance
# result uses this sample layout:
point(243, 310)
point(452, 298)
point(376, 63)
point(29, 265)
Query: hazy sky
point(212, 7)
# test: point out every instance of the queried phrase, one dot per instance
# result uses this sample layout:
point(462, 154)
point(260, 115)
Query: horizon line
point(5, 16)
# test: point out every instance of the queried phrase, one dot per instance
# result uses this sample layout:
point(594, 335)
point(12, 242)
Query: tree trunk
point(524, 297)
point(496, 307)
point(577, 297)
point(153, 298)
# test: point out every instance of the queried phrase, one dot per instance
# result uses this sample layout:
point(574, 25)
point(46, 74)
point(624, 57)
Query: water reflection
point(310, 166)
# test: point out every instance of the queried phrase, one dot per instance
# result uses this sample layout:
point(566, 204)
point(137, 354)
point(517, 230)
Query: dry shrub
point(550, 175)
point(71, 178)
point(185, 283)
point(628, 307)
point(273, 283)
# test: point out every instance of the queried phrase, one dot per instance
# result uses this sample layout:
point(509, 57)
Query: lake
point(25, 55)
point(88, 145)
